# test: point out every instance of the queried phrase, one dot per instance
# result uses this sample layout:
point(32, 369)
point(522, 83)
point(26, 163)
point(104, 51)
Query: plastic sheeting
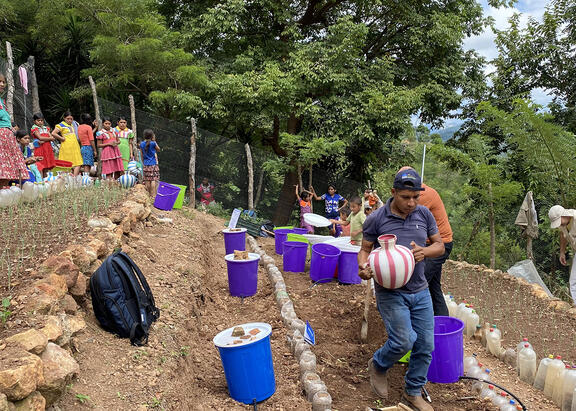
point(527, 270)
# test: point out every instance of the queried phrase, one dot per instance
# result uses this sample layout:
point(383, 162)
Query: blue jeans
point(409, 321)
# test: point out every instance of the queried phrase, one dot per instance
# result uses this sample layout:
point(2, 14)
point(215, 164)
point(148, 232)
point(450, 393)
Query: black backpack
point(122, 300)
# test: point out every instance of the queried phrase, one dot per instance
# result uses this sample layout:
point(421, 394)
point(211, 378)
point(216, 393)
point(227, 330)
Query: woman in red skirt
point(43, 144)
point(12, 165)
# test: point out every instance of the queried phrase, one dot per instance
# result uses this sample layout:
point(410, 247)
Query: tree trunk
point(192, 164)
point(286, 200)
point(10, 81)
point(98, 121)
point(250, 177)
point(259, 188)
point(491, 218)
point(310, 185)
point(33, 85)
point(529, 253)
point(133, 141)
point(300, 183)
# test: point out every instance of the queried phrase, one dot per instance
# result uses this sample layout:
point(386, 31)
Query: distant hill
point(447, 133)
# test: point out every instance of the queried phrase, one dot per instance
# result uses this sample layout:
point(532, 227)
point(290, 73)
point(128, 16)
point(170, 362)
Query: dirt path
point(180, 368)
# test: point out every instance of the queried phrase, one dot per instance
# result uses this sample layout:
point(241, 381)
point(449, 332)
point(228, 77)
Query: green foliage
point(5, 313)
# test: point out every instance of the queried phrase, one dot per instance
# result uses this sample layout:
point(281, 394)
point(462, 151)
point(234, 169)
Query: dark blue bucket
point(279, 239)
point(234, 240)
point(447, 365)
point(324, 262)
point(348, 267)
point(248, 366)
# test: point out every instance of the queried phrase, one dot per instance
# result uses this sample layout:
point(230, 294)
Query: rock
point(510, 357)
point(53, 328)
point(59, 368)
point(71, 325)
point(150, 253)
point(78, 291)
point(110, 240)
point(148, 224)
point(20, 372)
point(62, 266)
point(99, 247)
point(34, 402)
point(93, 267)
point(80, 257)
point(164, 220)
point(560, 305)
point(4, 405)
point(572, 312)
point(31, 340)
point(116, 216)
point(67, 303)
point(49, 292)
point(139, 194)
point(102, 223)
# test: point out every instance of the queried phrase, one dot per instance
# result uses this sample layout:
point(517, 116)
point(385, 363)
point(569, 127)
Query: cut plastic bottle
point(488, 392)
point(519, 348)
point(568, 388)
point(494, 342)
point(469, 362)
point(559, 386)
point(500, 400)
point(472, 320)
point(527, 364)
point(553, 375)
point(511, 406)
point(477, 386)
point(540, 379)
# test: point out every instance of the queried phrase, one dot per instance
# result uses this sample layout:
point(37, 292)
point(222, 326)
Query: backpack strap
point(154, 311)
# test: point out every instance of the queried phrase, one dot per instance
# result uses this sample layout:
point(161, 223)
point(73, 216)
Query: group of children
point(72, 145)
point(345, 216)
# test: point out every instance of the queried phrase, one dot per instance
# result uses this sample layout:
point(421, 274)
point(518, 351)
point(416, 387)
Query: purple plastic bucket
point(279, 239)
point(242, 275)
point(348, 267)
point(234, 240)
point(294, 257)
point(166, 196)
point(324, 262)
point(298, 230)
point(447, 364)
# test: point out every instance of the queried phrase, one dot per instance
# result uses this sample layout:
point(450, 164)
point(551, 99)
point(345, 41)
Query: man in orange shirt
point(430, 199)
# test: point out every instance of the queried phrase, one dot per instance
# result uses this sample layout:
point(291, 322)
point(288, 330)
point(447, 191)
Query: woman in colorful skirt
point(124, 134)
point(112, 166)
point(12, 165)
point(42, 144)
point(70, 149)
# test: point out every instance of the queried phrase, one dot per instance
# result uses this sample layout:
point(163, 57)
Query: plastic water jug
point(472, 320)
point(540, 378)
point(469, 362)
point(511, 406)
point(519, 348)
point(494, 342)
point(460, 309)
point(559, 385)
point(500, 400)
point(476, 370)
point(488, 392)
point(527, 364)
point(568, 389)
point(452, 307)
point(553, 375)
point(479, 385)
point(574, 400)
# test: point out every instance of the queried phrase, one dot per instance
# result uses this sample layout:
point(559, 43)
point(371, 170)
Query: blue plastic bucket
point(248, 366)
point(166, 196)
point(294, 257)
point(234, 240)
point(324, 262)
point(279, 239)
point(298, 230)
point(447, 364)
point(348, 267)
point(242, 275)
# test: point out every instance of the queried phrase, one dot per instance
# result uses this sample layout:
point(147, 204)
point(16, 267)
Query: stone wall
point(37, 363)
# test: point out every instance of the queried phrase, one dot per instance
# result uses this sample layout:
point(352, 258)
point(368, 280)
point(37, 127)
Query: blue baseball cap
point(408, 180)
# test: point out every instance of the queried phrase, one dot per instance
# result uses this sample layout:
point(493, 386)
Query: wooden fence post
point(192, 164)
point(10, 81)
point(33, 85)
point(134, 140)
point(97, 117)
point(250, 176)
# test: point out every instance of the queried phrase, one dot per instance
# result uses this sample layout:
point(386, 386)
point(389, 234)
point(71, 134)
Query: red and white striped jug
point(392, 264)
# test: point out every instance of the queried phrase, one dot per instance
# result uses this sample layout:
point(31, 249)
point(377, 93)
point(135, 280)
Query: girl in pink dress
point(111, 158)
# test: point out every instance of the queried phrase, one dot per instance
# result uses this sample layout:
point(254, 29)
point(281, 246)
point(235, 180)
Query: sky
point(484, 43)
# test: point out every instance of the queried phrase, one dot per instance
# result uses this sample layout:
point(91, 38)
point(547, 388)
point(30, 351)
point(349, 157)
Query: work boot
point(415, 402)
point(378, 380)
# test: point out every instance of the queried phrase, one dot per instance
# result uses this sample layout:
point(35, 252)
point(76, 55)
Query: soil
point(180, 368)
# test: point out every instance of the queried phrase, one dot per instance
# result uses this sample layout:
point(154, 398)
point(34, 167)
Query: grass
point(31, 232)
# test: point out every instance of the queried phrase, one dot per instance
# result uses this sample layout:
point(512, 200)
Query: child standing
point(111, 158)
point(332, 201)
point(86, 136)
point(23, 140)
point(305, 203)
point(148, 148)
point(124, 134)
point(344, 213)
point(69, 149)
point(43, 144)
point(354, 220)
